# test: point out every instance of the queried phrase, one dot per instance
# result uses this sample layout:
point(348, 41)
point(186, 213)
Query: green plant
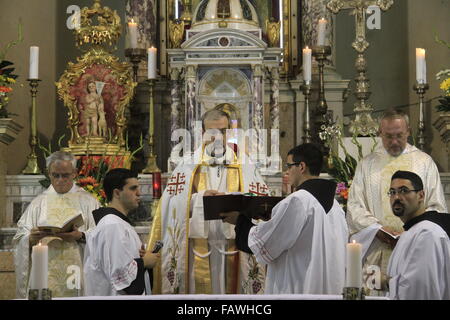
point(7, 76)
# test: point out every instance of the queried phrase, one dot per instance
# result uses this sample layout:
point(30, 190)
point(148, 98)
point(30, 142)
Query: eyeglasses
point(289, 165)
point(400, 191)
point(399, 136)
point(61, 175)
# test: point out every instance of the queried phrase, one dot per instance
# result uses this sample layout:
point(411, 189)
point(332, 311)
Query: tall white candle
point(152, 63)
point(34, 63)
point(354, 266)
point(132, 28)
point(321, 32)
point(421, 67)
point(177, 14)
point(39, 267)
point(307, 58)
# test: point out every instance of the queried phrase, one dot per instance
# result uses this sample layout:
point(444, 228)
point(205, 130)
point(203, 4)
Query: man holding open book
point(303, 244)
point(58, 217)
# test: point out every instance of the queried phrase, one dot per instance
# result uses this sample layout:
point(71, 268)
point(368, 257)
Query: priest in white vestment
point(113, 262)
point(200, 256)
point(62, 201)
point(304, 242)
point(368, 208)
point(419, 267)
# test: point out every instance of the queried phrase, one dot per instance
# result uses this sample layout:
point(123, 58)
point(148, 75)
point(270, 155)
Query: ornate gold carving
point(273, 32)
point(107, 31)
point(176, 29)
point(97, 65)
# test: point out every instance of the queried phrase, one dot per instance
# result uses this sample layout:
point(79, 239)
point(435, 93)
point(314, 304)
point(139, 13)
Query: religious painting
point(96, 89)
point(97, 93)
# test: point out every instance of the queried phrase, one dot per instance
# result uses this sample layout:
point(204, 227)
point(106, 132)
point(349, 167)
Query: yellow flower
point(11, 80)
point(445, 85)
point(90, 187)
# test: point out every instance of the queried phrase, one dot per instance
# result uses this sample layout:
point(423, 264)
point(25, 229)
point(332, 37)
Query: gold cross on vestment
point(359, 10)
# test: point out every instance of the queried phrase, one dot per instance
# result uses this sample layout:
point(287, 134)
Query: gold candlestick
point(136, 55)
point(39, 294)
point(353, 293)
point(32, 164)
point(306, 89)
point(151, 162)
point(421, 88)
point(321, 53)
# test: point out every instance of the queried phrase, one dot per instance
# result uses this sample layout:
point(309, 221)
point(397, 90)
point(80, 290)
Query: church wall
point(38, 18)
point(387, 63)
point(425, 18)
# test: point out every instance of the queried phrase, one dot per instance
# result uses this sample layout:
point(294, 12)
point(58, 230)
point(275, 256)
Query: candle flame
point(132, 20)
point(40, 244)
point(354, 241)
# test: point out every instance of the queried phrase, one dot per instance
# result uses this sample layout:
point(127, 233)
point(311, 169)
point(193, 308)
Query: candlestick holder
point(32, 164)
point(306, 89)
point(420, 89)
point(321, 53)
point(353, 293)
point(39, 294)
point(151, 162)
point(136, 55)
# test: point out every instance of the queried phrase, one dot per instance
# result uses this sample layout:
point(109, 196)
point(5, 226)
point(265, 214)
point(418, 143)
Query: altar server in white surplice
point(419, 267)
point(114, 261)
point(368, 207)
point(60, 202)
point(200, 256)
point(304, 242)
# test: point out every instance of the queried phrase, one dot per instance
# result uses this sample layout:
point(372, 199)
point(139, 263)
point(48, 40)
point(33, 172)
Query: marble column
point(312, 11)
point(144, 13)
point(275, 99)
point(257, 113)
point(275, 163)
point(191, 83)
point(175, 96)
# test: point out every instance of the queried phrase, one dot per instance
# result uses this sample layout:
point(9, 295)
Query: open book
point(67, 226)
point(390, 234)
point(253, 207)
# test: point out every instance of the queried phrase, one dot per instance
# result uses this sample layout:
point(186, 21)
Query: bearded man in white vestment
point(62, 201)
point(114, 263)
point(304, 242)
point(419, 267)
point(200, 256)
point(368, 209)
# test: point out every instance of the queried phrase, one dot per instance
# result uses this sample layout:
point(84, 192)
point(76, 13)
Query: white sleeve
point(117, 256)
point(434, 193)
point(22, 247)
point(359, 216)
point(420, 275)
point(269, 239)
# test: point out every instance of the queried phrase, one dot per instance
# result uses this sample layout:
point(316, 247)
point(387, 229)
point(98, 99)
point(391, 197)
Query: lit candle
point(321, 32)
point(421, 67)
point(34, 62)
point(353, 277)
point(177, 15)
point(307, 65)
point(39, 267)
point(156, 178)
point(152, 63)
point(132, 29)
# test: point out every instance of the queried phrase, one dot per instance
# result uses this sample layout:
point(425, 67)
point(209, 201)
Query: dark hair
point(116, 179)
point(416, 181)
point(311, 155)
